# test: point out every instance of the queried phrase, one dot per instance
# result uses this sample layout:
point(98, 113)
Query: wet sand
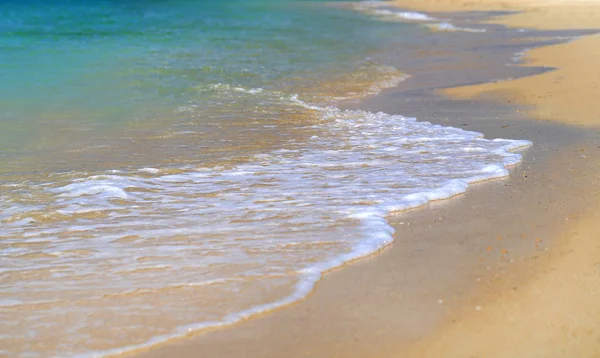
point(555, 313)
point(508, 269)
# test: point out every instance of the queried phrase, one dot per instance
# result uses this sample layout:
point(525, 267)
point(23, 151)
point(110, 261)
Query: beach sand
point(555, 314)
point(509, 269)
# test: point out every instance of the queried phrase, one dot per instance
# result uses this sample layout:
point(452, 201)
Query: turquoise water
point(102, 64)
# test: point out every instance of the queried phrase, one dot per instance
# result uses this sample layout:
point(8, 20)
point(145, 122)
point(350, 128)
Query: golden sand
point(557, 313)
point(568, 94)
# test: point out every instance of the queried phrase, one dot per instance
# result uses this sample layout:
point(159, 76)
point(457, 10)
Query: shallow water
point(183, 162)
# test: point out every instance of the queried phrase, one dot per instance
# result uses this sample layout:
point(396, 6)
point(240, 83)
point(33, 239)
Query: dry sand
point(570, 94)
point(512, 268)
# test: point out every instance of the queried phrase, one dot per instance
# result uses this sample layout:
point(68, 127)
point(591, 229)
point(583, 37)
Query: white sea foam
point(274, 224)
point(518, 57)
point(416, 16)
point(226, 87)
point(403, 15)
point(385, 11)
point(446, 26)
point(150, 170)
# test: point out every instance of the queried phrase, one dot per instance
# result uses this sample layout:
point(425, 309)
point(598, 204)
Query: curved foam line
point(374, 223)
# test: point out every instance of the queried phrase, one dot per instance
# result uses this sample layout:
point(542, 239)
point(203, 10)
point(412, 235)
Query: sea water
point(172, 166)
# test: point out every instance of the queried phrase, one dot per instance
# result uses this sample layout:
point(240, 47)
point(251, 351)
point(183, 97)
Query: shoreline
point(250, 332)
point(553, 312)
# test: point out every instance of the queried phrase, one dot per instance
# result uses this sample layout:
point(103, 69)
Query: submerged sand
point(510, 269)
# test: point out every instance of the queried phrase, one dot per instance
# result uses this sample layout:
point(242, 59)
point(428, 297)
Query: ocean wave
point(330, 196)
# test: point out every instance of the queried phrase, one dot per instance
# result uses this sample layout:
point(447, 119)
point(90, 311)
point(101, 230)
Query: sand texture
point(568, 94)
point(556, 314)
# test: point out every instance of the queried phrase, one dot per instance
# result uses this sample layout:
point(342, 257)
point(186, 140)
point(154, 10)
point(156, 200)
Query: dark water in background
point(98, 65)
